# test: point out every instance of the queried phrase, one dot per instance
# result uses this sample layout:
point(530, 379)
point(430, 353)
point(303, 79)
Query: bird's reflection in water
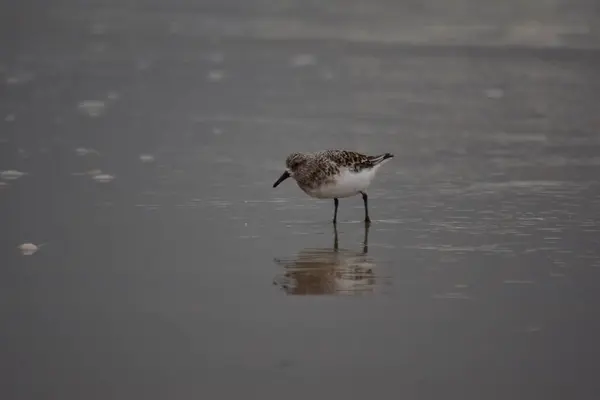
point(332, 271)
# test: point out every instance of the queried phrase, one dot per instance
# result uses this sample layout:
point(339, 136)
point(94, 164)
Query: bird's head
point(292, 163)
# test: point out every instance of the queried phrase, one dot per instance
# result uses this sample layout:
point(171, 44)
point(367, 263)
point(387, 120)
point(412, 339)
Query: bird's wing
point(355, 161)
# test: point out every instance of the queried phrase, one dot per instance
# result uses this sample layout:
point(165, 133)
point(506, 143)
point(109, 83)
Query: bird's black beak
point(282, 178)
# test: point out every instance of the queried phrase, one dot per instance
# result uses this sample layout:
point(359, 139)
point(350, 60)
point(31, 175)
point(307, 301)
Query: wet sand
point(149, 137)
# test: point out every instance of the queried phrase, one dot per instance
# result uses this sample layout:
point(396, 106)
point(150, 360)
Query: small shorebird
point(333, 174)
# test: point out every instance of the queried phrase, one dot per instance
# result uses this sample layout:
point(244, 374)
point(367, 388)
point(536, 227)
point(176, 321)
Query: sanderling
point(333, 174)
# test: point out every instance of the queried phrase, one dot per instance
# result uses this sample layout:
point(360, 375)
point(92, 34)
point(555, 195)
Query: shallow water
point(168, 267)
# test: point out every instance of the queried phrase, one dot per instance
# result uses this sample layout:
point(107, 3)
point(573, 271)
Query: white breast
point(347, 183)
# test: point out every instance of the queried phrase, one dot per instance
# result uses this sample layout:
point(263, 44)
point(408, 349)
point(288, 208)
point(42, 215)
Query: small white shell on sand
point(215, 75)
point(11, 174)
point(82, 151)
point(91, 172)
point(103, 178)
point(146, 158)
point(92, 108)
point(19, 78)
point(28, 248)
point(303, 60)
point(112, 95)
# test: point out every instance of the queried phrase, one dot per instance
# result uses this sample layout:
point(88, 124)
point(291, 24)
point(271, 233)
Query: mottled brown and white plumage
point(333, 174)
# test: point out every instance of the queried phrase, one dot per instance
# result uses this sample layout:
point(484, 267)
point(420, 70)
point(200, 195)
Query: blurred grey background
point(144, 253)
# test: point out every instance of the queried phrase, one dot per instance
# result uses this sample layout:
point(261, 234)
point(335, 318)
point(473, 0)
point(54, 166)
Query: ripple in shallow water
point(329, 271)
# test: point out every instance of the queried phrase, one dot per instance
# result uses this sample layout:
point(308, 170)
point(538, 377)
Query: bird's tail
point(380, 158)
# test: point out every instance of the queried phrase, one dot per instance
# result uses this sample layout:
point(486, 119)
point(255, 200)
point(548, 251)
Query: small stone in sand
point(11, 174)
point(92, 108)
point(146, 158)
point(303, 60)
point(103, 178)
point(215, 75)
point(28, 248)
point(82, 151)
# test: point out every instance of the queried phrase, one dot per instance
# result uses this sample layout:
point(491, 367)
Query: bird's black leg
point(336, 202)
point(366, 201)
point(366, 239)
point(335, 237)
